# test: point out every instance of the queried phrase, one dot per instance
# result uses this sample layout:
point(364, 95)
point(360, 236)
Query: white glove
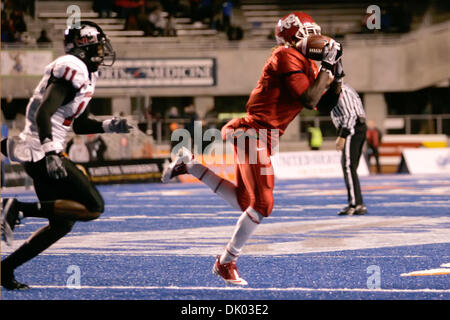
point(55, 166)
point(116, 125)
point(332, 53)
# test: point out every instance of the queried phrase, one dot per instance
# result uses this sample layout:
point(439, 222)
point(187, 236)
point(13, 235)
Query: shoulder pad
point(72, 69)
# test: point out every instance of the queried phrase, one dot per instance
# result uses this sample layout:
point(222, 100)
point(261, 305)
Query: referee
point(349, 118)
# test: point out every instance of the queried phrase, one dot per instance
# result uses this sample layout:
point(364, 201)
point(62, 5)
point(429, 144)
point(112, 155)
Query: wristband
point(105, 125)
point(51, 146)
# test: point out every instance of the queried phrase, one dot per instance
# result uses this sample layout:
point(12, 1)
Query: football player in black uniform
point(59, 104)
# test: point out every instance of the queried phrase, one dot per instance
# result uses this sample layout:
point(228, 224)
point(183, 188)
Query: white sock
point(222, 187)
point(246, 225)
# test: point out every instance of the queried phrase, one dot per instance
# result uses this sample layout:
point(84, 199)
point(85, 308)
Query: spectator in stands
point(157, 21)
point(401, 17)
point(128, 7)
point(194, 6)
point(227, 9)
point(314, 137)
point(43, 38)
point(18, 21)
point(191, 116)
point(385, 20)
point(8, 31)
point(124, 148)
point(171, 7)
point(171, 26)
point(8, 7)
point(131, 22)
point(235, 33)
point(78, 152)
point(103, 8)
point(97, 147)
point(210, 119)
point(207, 12)
point(373, 136)
point(173, 124)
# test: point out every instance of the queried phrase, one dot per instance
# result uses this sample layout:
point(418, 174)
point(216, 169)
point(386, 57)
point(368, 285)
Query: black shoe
point(8, 281)
point(347, 211)
point(10, 218)
point(360, 210)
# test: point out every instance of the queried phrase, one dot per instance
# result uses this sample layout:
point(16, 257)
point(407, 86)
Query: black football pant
point(76, 187)
point(350, 161)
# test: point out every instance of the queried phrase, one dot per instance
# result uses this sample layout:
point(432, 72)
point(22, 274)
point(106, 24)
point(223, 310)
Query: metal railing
point(419, 124)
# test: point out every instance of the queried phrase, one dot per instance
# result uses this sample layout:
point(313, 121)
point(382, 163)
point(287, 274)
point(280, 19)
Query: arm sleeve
point(292, 70)
point(329, 100)
point(85, 125)
point(55, 95)
point(348, 126)
point(71, 72)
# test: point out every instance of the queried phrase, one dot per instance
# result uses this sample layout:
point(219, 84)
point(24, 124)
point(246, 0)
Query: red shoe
point(229, 272)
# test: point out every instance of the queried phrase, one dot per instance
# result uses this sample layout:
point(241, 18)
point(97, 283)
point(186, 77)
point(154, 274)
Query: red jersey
point(275, 102)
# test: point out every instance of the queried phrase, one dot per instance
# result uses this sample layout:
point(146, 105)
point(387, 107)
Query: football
point(312, 46)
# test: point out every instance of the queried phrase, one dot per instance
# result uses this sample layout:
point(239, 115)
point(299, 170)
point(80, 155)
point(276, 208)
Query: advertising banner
point(159, 73)
point(312, 164)
point(124, 171)
point(25, 62)
point(427, 160)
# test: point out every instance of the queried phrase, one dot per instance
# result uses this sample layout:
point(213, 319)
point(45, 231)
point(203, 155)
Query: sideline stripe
point(431, 272)
point(443, 270)
point(244, 289)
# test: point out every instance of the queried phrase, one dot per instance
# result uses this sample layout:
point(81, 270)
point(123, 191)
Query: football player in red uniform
point(289, 82)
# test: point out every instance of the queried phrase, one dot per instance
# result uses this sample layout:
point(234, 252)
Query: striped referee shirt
point(348, 110)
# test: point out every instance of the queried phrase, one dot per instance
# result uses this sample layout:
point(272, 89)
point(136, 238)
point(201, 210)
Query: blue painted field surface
point(159, 242)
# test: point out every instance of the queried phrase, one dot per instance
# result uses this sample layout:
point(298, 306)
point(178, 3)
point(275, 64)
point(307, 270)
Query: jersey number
point(68, 121)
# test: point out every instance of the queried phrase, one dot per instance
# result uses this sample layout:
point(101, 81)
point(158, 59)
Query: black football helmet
point(88, 42)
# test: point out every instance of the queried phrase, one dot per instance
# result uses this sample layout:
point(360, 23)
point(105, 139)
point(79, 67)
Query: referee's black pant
point(350, 161)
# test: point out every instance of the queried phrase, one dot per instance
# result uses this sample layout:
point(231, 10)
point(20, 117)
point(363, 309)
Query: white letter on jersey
point(73, 21)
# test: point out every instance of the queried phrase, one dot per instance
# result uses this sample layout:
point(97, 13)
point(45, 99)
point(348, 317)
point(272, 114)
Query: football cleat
point(8, 281)
point(347, 211)
point(229, 272)
point(360, 210)
point(178, 165)
point(10, 218)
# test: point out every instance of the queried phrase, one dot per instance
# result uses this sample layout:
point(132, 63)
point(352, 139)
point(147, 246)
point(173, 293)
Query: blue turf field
point(159, 241)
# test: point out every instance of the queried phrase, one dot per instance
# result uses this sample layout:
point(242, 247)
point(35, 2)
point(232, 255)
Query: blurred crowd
point(14, 28)
point(13, 21)
point(157, 18)
point(394, 18)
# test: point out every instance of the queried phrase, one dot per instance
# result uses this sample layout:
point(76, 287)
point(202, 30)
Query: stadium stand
point(256, 18)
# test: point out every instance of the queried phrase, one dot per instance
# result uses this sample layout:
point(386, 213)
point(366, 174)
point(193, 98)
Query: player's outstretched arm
point(85, 125)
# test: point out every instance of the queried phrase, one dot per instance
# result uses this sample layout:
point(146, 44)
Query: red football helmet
point(294, 27)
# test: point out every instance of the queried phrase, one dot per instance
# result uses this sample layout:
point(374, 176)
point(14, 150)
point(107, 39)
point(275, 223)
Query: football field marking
point(443, 270)
point(229, 288)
